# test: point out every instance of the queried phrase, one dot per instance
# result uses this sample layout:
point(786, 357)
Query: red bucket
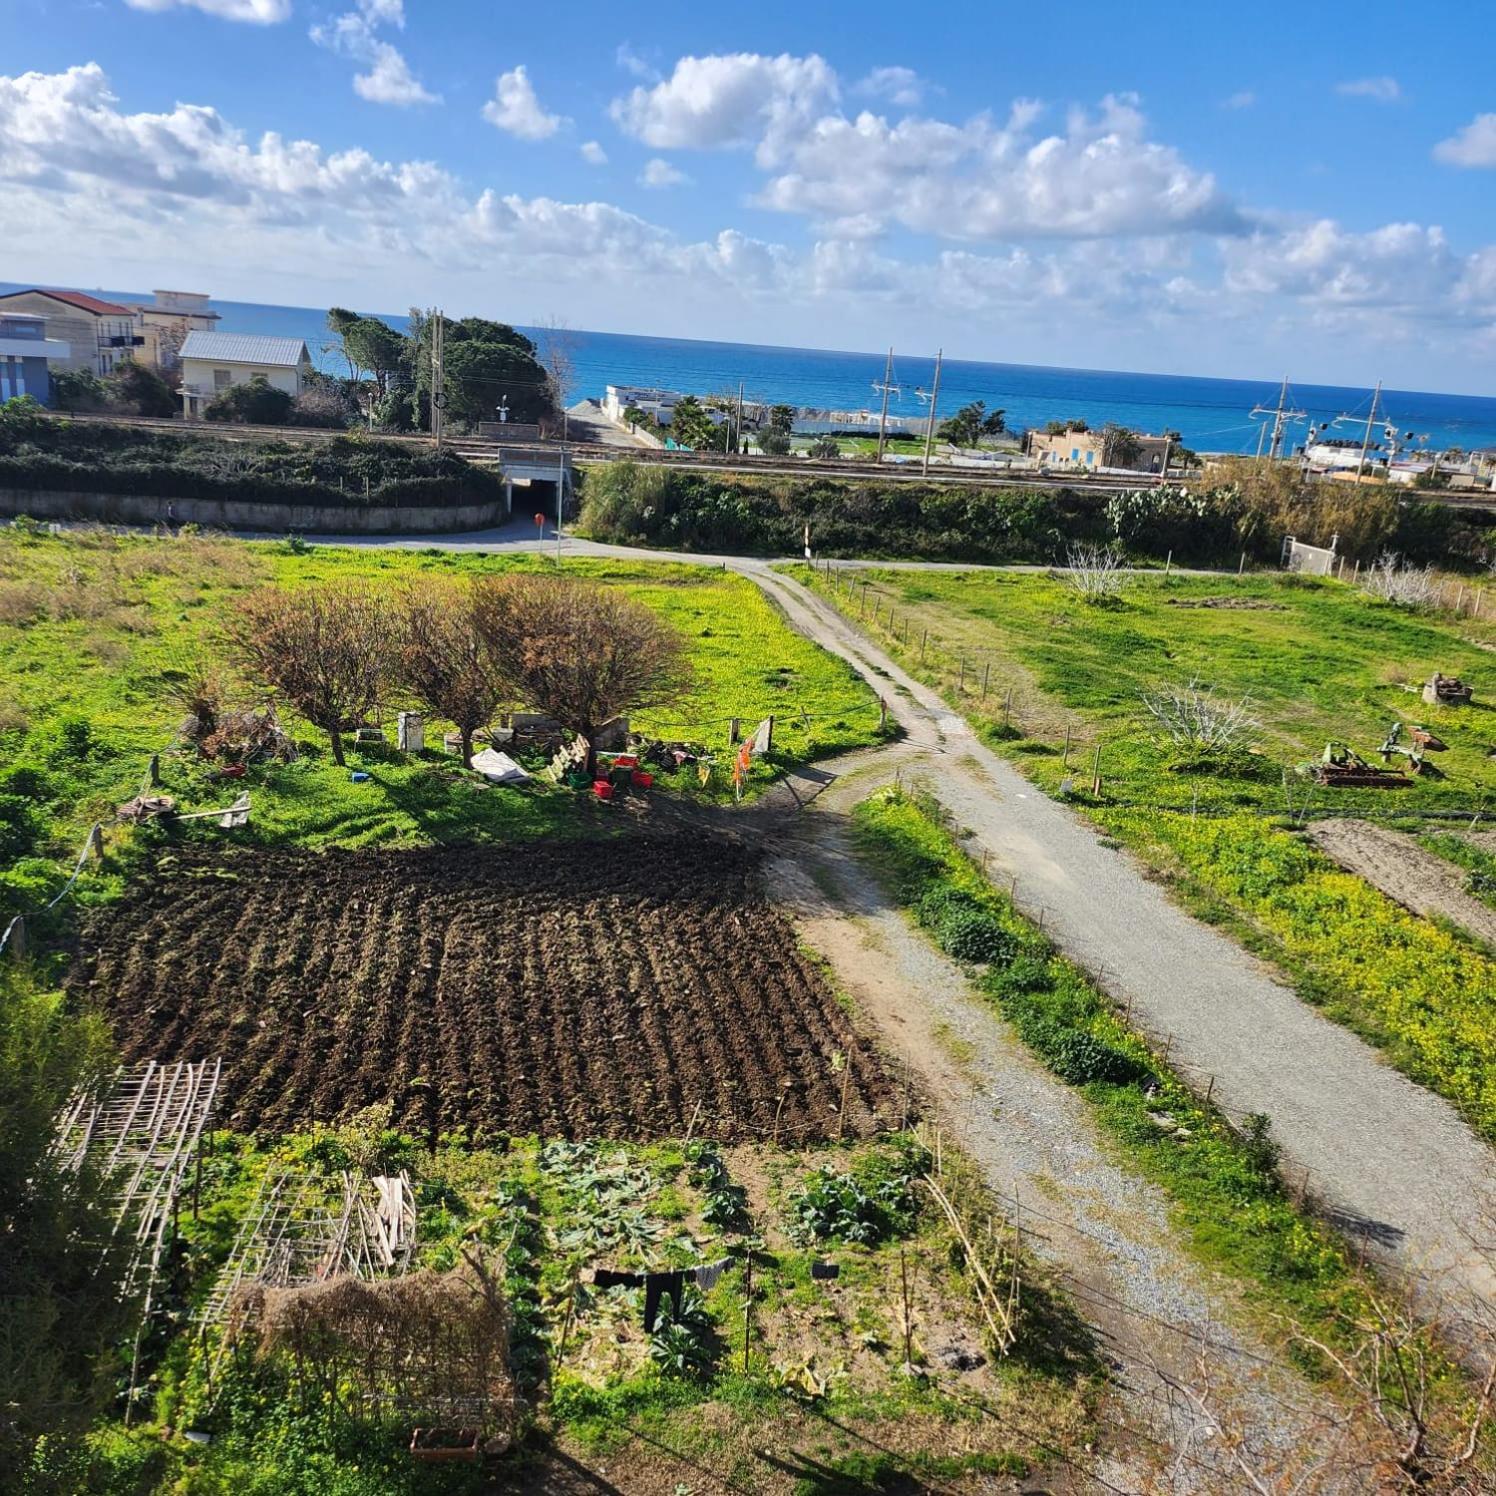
point(602, 789)
point(641, 780)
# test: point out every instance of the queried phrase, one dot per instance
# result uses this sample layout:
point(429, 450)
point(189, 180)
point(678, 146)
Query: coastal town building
point(26, 352)
point(657, 404)
point(166, 320)
point(215, 361)
point(1076, 448)
point(99, 334)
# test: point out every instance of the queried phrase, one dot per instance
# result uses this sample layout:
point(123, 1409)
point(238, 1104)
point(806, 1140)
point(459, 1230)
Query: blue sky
point(1174, 187)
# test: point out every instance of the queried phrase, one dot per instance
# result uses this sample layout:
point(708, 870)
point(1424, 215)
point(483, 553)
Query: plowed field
point(571, 990)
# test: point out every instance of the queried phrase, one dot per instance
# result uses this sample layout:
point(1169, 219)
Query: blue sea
point(1211, 414)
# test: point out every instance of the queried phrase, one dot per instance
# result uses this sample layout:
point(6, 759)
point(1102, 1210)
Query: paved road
point(1390, 1162)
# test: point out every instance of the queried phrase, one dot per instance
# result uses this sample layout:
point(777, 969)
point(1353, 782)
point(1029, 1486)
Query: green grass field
point(93, 626)
point(1316, 660)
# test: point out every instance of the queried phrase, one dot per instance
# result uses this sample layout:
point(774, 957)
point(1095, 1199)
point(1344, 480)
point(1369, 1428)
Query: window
point(222, 379)
point(1075, 454)
point(1090, 457)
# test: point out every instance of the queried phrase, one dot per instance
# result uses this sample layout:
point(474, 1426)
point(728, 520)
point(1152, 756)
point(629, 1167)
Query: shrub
point(773, 443)
point(964, 928)
point(255, 403)
point(1081, 1058)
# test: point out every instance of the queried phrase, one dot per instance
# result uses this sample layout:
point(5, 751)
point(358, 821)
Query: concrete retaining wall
point(243, 514)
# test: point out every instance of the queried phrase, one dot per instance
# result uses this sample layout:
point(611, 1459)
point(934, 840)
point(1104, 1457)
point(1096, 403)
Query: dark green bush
point(964, 928)
point(59, 455)
point(1080, 1058)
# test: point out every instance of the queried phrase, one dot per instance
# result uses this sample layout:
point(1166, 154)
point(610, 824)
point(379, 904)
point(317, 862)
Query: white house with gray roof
point(214, 361)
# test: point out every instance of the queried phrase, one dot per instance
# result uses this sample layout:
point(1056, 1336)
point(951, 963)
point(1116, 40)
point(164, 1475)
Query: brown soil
point(1396, 864)
point(578, 990)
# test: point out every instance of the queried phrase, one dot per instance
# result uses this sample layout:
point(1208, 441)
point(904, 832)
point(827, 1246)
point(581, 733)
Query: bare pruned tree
point(1096, 572)
point(325, 648)
point(442, 657)
point(556, 347)
point(1397, 581)
point(580, 652)
point(1193, 717)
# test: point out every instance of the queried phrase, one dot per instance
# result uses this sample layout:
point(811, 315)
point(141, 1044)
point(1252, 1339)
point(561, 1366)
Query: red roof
point(78, 299)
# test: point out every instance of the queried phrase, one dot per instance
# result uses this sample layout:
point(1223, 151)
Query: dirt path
point(1391, 1163)
point(1102, 1226)
point(1394, 862)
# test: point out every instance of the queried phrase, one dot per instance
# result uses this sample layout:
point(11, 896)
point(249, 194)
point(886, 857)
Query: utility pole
point(1370, 421)
point(560, 500)
point(883, 418)
point(1281, 415)
point(438, 381)
point(934, 403)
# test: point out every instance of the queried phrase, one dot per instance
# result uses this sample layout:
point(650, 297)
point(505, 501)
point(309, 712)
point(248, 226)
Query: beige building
point(214, 361)
point(1079, 450)
point(100, 335)
point(165, 322)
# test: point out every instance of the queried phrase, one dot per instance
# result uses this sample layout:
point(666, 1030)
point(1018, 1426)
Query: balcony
point(121, 340)
point(52, 349)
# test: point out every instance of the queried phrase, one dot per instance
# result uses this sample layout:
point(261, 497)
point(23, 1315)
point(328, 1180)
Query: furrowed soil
point(570, 990)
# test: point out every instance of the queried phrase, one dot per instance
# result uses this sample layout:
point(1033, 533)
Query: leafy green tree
point(825, 448)
point(773, 443)
point(782, 418)
point(692, 427)
point(78, 389)
point(60, 1313)
point(255, 403)
point(1061, 428)
point(971, 423)
point(1119, 446)
point(370, 346)
point(486, 364)
point(140, 390)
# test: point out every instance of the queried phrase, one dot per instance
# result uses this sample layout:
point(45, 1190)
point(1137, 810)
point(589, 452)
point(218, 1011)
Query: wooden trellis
point(139, 1133)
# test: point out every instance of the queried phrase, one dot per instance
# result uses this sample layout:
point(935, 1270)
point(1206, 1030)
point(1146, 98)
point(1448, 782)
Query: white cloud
point(1243, 99)
point(1471, 145)
point(593, 154)
point(1383, 90)
point(516, 109)
point(389, 79)
point(660, 173)
point(631, 62)
point(978, 180)
point(729, 101)
point(900, 86)
point(287, 219)
point(259, 12)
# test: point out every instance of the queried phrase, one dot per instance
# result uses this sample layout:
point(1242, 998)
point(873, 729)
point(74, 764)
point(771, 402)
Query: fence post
point(153, 771)
point(1241, 565)
point(924, 639)
point(862, 611)
point(1065, 762)
point(962, 685)
point(734, 730)
point(882, 715)
point(1168, 563)
point(986, 672)
point(769, 741)
point(96, 840)
point(1096, 772)
point(1008, 707)
point(17, 943)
